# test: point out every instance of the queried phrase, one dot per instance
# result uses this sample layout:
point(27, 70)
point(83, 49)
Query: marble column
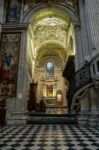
point(1, 15)
point(22, 10)
point(79, 54)
point(92, 13)
point(94, 106)
point(0, 31)
point(21, 74)
point(1, 11)
point(85, 104)
point(93, 96)
point(84, 31)
point(85, 108)
point(19, 114)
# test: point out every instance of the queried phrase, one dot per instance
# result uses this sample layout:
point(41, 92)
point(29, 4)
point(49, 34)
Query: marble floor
point(49, 137)
point(56, 110)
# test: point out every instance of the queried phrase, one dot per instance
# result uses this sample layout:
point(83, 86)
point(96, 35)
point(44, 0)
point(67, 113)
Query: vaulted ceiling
point(49, 25)
point(49, 29)
point(52, 51)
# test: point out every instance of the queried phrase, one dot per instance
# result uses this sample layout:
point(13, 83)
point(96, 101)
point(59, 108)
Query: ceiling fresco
point(50, 29)
point(50, 26)
point(52, 51)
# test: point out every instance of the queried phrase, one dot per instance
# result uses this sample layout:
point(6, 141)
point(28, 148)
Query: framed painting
point(9, 58)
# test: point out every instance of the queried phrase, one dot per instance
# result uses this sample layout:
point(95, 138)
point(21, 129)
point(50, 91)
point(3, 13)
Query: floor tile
point(49, 137)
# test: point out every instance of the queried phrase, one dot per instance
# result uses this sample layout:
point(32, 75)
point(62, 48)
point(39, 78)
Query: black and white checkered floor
point(49, 137)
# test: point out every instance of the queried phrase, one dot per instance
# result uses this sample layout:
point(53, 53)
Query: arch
point(51, 42)
point(57, 52)
point(65, 9)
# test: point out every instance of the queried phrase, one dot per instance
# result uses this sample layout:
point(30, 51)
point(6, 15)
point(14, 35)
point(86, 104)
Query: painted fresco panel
point(9, 58)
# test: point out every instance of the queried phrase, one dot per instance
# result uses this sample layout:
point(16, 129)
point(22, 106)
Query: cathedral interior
point(50, 43)
point(49, 74)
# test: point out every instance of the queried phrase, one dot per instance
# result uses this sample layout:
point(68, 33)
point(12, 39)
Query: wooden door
point(32, 98)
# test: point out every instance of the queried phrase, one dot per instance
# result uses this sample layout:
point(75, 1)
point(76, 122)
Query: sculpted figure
point(14, 10)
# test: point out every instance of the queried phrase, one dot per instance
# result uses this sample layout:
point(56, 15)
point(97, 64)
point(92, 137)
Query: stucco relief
point(71, 3)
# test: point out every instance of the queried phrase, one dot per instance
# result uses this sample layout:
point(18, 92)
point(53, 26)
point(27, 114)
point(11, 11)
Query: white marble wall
point(1, 14)
point(84, 31)
point(88, 41)
point(91, 10)
point(1, 11)
point(92, 15)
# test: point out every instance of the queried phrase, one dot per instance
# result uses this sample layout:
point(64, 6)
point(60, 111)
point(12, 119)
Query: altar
point(50, 101)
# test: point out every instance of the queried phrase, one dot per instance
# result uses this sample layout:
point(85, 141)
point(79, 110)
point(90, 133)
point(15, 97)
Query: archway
point(50, 38)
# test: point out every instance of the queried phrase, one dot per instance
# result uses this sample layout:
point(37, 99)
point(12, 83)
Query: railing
point(83, 77)
point(80, 80)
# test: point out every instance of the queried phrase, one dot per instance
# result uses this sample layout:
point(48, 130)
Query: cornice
point(8, 27)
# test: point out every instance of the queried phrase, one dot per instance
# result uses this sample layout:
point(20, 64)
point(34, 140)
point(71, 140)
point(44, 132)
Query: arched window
point(50, 68)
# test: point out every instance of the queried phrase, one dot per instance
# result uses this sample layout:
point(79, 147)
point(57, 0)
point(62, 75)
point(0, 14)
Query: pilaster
point(94, 107)
point(85, 109)
point(1, 11)
point(18, 111)
point(79, 54)
point(84, 31)
point(92, 13)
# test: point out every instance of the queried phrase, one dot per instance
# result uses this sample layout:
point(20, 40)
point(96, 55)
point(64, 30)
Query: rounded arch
point(51, 42)
point(61, 53)
point(65, 9)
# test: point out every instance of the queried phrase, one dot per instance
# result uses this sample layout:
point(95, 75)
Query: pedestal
point(17, 118)
point(84, 114)
point(94, 114)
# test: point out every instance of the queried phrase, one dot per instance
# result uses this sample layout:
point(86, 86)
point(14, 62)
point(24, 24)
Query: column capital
point(76, 26)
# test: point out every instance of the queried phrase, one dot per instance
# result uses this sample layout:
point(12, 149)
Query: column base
point(94, 119)
point(83, 118)
point(17, 118)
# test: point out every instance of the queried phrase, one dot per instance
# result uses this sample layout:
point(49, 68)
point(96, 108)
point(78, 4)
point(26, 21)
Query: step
point(51, 119)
